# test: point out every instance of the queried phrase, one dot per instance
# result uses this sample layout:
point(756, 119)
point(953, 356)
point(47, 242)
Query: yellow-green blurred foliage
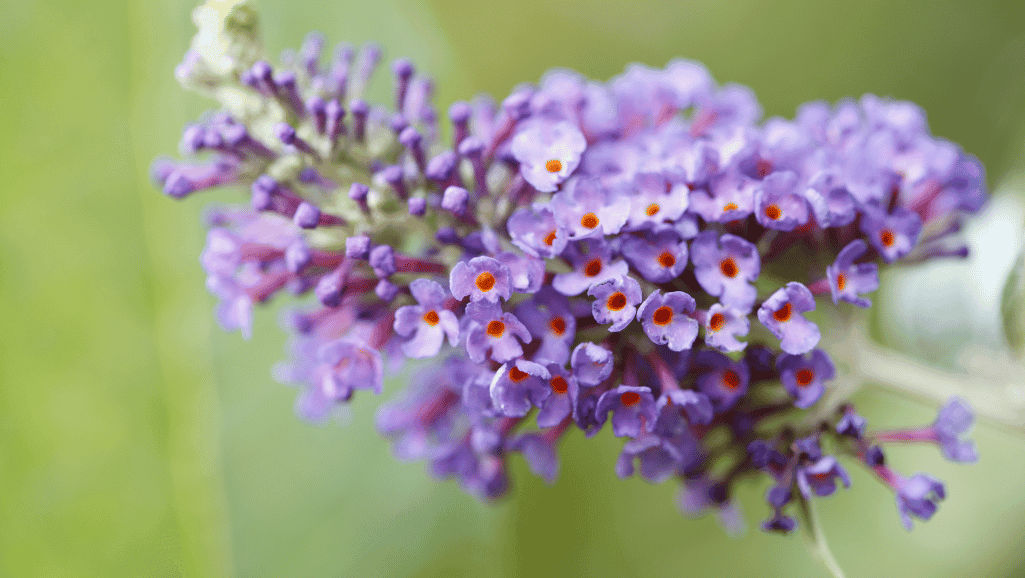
point(138, 440)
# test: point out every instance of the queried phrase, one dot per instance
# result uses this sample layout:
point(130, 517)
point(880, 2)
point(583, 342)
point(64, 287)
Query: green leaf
point(815, 538)
point(1012, 306)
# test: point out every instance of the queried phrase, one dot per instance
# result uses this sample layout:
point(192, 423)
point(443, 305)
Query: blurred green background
point(136, 439)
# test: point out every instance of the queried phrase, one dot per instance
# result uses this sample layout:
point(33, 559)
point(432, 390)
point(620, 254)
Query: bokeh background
point(136, 439)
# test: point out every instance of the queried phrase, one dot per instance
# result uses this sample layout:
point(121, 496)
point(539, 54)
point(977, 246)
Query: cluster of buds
point(646, 252)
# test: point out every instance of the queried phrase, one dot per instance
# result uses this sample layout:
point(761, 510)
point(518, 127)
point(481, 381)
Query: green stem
point(815, 539)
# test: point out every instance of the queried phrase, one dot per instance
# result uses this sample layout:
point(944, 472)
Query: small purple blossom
point(782, 315)
point(633, 409)
point(918, 496)
point(560, 403)
point(847, 280)
point(804, 379)
point(548, 153)
point(655, 200)
point(667, 320)
point(548, 318)
point(615, 302)
point(819, 477)
point(518, 386)
point(722, 327)
point(723, 380)
point(658, 457)
point(894, 234)
point(482, 279)
point(592, 364)
point(954, 419)
point(725, 267)
point(659, 257)
point(778, 203)
point(428, 321)
point(540, 453)
point(536, 233)
point(584, 208)
point(495, 332)
point(592, 263)
point(526, 274)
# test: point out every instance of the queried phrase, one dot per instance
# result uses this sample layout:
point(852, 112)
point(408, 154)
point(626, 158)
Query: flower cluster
point(646, 252)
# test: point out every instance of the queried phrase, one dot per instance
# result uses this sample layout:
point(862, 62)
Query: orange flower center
point(887, 238)
point(550, 239)
point(730, 379)
point(485, 281)
point(666, 259)
point(715, 321)
point(558, 384)
point(495, 328)
point(773, 212)
point(553, 166)
point(729, 267)
point(662, 316)
point(593, 268)
point(804, 377)
point(431, 318)
point(589, 221)
point(652, 209)
point(557, 325)
point(517, 375)
point(616, 301)
point(630, 398)
point(783, 313)
point(730, 207)
point(841, 281)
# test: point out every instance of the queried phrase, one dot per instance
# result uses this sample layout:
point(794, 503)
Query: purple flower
point(548, 318)
point(344, 365)
point(831, 203)
point(693, 405)
point(633, 409)
point(482, 279)
point(536, 233)
point(954, 419)
point(778, 204)
point(781, 314)
point(847, 280)
point(655, 201)
point(382, 260)
point(723, 380)
point(917, 496)
point(592, 263)
point(732, 199)
point(560, 403)
point(723, 325)
point(659, 457)
point(539, 451)
point(893, 235)
point(494, 331)
point(725, 267)
point(658, 257)
point(819, 477)
point(615, 301)
point(592, 364)
point(851, 424)
point(526, 274)
point(235, 309)
point(779, 522)
point(430, 321)
point(518, 386)
point(804, 378)
point(667, 320)
point(548, 153)
point(584, 208)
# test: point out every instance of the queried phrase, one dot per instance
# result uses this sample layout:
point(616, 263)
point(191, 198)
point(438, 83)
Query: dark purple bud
point(386, 290)
point(360, 109)
point(331, 286)
point(297, 257)
point(447, 236)
point(357, 247)
point(473, 149)
point(358, 192)
point(306, 216)
point(285, 133)
point(309, 54)
point(417, 206)
point(212, 140)
point(316, 106)
point(874, 456)
point(382, 259)
point(517, 104)
point(289, 92)
point(455, 200)
point(334, 123)
point(440, 168)
point(403, 70)
point(411, 139)
point(393, 176)
point(459, 114)
point(264, 75)
point(192, 139)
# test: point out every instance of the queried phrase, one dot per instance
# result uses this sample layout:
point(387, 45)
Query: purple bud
point(386, 290)
point(393, 176)
point(357, 247)
point(382, 260)
point(306, 216)
point(297, 257)
point(417, 206)
point(455, 200)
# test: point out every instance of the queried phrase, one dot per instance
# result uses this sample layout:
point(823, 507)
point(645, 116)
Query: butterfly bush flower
point(512, 259)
